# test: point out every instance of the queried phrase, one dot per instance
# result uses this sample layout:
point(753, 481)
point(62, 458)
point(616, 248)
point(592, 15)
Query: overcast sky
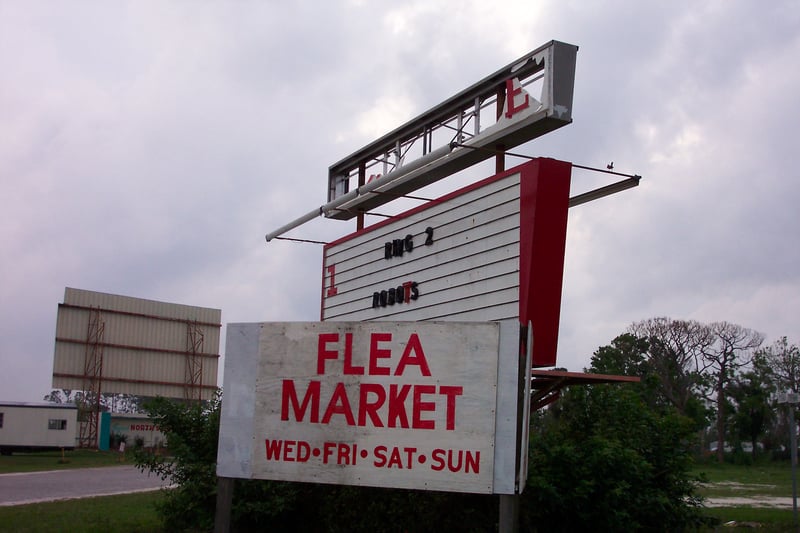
point(147, 147)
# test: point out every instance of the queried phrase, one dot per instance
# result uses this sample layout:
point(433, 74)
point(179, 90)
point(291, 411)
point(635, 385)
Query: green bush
point(602, 461)
point(192, 432)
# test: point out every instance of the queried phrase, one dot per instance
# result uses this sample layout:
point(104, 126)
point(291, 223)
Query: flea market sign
point(388, 404)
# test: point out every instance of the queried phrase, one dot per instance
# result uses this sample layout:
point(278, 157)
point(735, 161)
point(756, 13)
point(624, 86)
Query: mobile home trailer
point(37, 426)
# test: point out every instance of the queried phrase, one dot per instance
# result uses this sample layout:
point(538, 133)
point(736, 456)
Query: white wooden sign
point(403, 405)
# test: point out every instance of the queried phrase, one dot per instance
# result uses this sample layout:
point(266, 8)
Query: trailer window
point(1, 420)
point(55, 423)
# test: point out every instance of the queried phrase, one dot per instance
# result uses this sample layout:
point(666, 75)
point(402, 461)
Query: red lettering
point(311, 399)
point(349, 369)
point(437, 462)
point(407, 359)
point(380, 456)
point(394, 459)
point(273, 449)
point(376, 353)
point(378, 405)
point(410, 456)
point(457, 460)
point(451, 393)
point(511, 92)
point(407, 291)
point(454, 467)
point(339, 405)
point(303, 451)
point(344, 454)
point(328, 447)
point(419, 406)
point(288, 447)
point(367, 408)
point(322, 351)
point(397, 405)
point(332, 290)
point(473, 462)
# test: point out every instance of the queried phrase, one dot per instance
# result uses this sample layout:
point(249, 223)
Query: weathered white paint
point(27, 425)
point(238, 406)
point(261, 357)
point(137, 426)
point(469, 272)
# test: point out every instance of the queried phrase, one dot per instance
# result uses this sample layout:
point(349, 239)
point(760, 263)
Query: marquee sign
point(389, 404)
point(491, 251)
point(520, 102)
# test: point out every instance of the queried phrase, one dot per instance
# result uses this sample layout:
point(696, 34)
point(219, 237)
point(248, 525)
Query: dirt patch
point(742, 486)
point(774, 502)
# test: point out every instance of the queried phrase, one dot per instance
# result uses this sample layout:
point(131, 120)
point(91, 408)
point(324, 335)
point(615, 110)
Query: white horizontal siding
point(470, 272)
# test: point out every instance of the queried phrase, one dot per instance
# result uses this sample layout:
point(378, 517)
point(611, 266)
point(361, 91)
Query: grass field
point(35, 462)
point(136, 512)
point(760, 483)
point(121, 514)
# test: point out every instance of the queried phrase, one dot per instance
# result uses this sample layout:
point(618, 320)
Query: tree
point(192, 432)
point(675, 353)
point(784, 359)
point(122, 403)
point(751, 392)
point(732, 349)
point(59, 396)
point(610, 458)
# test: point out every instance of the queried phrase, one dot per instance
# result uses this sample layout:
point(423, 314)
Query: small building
point(134, 427)
point(37, 426)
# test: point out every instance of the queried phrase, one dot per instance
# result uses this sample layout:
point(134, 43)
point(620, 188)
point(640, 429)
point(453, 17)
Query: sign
point(385, 404)
point(128, 345)
point(524, 100)
point(491, 251)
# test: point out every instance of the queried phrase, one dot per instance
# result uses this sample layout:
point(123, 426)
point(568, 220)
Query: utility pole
point(791, 399)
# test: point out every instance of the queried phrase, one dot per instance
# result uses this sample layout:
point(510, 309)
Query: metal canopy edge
point(547, 384)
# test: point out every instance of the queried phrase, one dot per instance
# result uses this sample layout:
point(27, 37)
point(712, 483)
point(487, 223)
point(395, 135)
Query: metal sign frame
point(454, 135)
point(481, 360)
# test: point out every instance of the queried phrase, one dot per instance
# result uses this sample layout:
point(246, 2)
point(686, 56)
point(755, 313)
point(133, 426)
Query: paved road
point(33, 487)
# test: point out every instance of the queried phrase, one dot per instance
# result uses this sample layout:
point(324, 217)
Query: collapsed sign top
point(455, 134)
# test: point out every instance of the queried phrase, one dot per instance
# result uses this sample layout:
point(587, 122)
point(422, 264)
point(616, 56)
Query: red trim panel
point(543, 231)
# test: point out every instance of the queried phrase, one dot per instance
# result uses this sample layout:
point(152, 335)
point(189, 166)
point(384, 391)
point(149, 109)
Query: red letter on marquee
point(332, 290)
point(511, 92)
